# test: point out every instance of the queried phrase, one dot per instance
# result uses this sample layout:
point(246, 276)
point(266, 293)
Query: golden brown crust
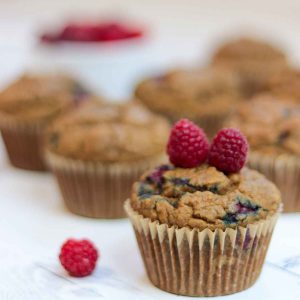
point(204, 197)
point(252, 60)
point(109, 133)
point(38, 98)
point(285, 84)
point(190, 93)
point(271, 126)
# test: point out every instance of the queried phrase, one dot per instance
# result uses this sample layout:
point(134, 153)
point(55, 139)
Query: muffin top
point(39, 98)
point(285, 84)
point(272, 126)
point(249, 50)
point(204, 197)
point(190, 93)
point(107, 132)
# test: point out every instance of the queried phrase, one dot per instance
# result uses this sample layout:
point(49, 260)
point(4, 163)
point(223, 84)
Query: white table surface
point(34, 222)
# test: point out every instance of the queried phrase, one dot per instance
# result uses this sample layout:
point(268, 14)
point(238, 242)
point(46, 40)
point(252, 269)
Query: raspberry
point(228, 151)
point(188, 145)
point(78, 257)
point(92, 32)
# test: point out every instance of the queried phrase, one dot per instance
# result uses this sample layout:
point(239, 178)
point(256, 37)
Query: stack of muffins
point(201, 230)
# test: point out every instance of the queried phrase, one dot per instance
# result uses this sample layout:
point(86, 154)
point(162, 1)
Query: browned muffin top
point(39, 98)
point(285, 84)
point(247, 49)
point(204, 197)
point(270, 125)
point(253, 61)
point(190, 93)
point(108, 132)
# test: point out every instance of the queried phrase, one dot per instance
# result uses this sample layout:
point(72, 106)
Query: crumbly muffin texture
point(252, 60)
point(271, 126)
point(285, 84)
point(40, 98)
point(249, 49)
point(107, 132)
point(190, 93)
point(204, 197)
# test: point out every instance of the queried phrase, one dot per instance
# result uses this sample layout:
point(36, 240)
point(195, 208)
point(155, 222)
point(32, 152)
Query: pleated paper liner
point(23, 143)
point(94, 189)
point(195, 262)
point(284, 171)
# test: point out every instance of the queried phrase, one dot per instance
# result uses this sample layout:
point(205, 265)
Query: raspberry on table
point(78, 257)
point(188, 145)
point(228, 150)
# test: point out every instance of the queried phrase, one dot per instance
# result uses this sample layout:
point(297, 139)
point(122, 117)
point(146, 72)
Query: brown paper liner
point(195, 262)
point(97, 190)
point(284, 171)
point(23, 143)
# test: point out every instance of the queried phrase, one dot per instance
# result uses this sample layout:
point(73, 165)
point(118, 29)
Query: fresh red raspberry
point(188, 145)
point(228, 150)
point(78, 257)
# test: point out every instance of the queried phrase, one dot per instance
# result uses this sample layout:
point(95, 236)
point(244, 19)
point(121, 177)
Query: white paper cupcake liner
point(195, 262)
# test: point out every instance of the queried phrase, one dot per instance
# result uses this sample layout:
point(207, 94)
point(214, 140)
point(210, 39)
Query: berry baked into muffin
point(206, 97)
point(272, 127)
point(27, 107)
point(99, 150)
point(203, 223)
point(252, 60)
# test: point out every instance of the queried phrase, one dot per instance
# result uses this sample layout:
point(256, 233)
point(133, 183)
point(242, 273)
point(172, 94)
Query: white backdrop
point(34, 222)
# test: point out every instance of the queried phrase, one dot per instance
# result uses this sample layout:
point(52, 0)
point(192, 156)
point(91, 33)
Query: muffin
point(285, 84)
point(252, 60)
point(272, 127)
point(99, 150)
point(206, 96)
point(27, 106)
point(202, 231)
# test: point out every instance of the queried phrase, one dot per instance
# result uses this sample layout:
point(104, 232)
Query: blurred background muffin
point(285, 84)
point(253, 61)
point(27, 106)
point(99, 150)
point(272, 127)
point(205, 96)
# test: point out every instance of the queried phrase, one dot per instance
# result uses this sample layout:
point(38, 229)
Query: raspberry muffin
point(273, 130)
point(252, 60)
point(27, 106)
point(99, 150)
point(202, 231)
point(285, 85)
point(206, 97)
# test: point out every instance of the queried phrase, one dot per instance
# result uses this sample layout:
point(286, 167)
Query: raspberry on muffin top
point(108, 133)
point(200, 195)
point(204, 197)
point(272, 126)
point(39, 98)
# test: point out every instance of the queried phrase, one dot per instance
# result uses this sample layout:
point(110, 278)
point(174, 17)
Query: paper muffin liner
point(195, 262)
point(23, 143)
point(94, 189)
point(284, 171)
